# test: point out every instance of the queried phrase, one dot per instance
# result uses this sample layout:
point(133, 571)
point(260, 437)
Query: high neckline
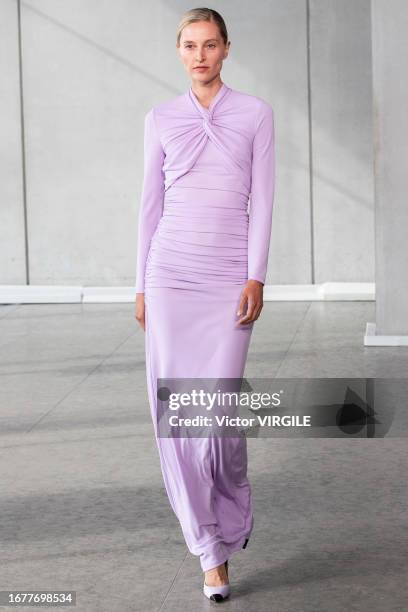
point(208, 109)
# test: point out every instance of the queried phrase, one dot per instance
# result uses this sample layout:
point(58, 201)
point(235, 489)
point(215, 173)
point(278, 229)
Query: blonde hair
point(202, 14)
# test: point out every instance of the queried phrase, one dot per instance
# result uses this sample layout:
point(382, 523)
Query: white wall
point(91, 69)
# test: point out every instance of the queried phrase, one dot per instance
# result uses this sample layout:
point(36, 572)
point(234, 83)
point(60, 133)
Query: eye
point(211, 45)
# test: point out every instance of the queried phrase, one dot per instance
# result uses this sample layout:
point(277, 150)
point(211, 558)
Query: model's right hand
point(140, 310)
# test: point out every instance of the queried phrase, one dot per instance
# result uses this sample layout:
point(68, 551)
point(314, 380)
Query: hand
point(140, 310)
point(252, 297)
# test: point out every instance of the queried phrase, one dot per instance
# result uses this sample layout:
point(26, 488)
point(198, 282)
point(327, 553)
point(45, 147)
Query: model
point(203, 241)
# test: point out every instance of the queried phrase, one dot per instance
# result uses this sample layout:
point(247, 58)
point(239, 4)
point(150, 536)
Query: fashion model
point(203, 241)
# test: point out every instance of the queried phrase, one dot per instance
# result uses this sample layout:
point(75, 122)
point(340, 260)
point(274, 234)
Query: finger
point(258, 305)
point(257, 313)
point(251, 307)
point(242, 302)
point(140, 317)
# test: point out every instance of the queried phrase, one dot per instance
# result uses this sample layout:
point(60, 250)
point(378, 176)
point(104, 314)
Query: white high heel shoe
point(217, 593)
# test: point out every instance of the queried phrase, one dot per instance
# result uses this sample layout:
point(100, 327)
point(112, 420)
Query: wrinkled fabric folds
point(204, 229)
point(236, 134)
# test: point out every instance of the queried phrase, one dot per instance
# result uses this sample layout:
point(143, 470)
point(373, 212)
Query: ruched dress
point(204, 230)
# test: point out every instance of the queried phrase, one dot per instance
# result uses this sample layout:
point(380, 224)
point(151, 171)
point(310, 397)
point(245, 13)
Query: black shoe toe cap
point(217, 597)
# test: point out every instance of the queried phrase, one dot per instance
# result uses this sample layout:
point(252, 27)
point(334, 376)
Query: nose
point(199, 55)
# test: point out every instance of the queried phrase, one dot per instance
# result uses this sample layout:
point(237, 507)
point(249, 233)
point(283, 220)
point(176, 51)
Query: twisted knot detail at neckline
point(208, 113)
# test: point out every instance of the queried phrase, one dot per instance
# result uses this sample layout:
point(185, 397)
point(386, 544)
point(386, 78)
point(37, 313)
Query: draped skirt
point(195, 273)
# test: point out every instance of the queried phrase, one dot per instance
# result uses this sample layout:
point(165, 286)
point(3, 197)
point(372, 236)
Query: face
point(201, 44)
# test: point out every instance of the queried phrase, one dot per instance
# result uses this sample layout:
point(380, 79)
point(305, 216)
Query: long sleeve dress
point(204, 230)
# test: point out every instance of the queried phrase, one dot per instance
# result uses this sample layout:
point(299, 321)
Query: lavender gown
point(197, 247)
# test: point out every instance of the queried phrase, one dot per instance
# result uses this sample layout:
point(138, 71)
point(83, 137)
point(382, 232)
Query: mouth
point(201, 68)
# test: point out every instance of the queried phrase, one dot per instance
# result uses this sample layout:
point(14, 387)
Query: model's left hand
point(252, 299)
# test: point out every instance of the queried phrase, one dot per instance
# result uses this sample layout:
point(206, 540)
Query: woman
point(201, 265)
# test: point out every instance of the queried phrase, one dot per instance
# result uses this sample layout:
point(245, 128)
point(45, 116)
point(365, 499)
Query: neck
point(205, 92)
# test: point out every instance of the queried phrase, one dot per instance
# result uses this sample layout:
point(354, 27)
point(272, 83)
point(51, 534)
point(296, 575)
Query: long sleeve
point(262, 195)
point(151, 206)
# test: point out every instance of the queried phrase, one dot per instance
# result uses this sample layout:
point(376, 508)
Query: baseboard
point(321, 292)
point(40, 294)
point(372, 339)
point(57, 294)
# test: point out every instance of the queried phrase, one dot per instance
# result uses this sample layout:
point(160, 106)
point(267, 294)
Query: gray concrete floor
point(83, 506)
